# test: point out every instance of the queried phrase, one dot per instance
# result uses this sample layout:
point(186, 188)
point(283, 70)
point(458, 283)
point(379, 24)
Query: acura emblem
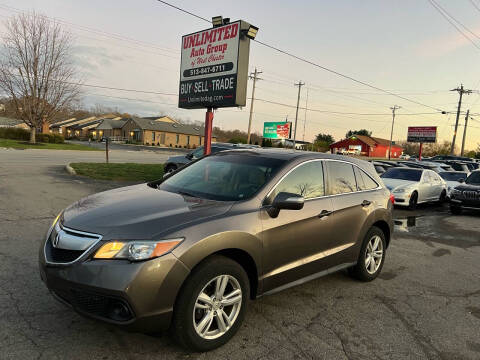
point(56, 240)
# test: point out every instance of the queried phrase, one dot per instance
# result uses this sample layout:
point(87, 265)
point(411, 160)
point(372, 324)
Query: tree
point(358, 132)
point(36, 69)
point(326, 138)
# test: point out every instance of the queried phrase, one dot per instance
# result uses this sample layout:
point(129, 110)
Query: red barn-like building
point(365, 146)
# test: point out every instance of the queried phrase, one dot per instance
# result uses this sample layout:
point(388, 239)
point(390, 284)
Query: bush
point(14, 133)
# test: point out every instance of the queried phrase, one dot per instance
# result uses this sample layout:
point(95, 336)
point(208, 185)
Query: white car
point(453, 179)
point(411, 186)
point(404, 157)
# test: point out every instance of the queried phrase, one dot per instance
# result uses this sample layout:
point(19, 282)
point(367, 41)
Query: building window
point(153, 137)
point(188, 140)
point(178, 138)
point(162, 138)
point(199, 140)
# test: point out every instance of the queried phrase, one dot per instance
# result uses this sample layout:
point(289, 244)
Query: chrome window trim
point(324, 182)
point(97, 236)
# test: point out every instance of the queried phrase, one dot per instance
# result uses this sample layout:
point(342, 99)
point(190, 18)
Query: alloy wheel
point(217, 307)
point(374, 254)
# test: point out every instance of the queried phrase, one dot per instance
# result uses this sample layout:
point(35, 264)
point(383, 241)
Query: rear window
point(473, 178)
point(452, 176)
point(341, 178)
point(364, 181)
point(403, 174)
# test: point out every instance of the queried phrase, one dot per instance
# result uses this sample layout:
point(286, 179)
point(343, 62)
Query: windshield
point(474, 178)
point(453, 176)
point(403, 174)
point(225, 177)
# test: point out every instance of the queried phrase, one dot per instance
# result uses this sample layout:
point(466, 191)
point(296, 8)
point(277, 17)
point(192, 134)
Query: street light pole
point(254, 78)
point(461, 91)
point(395, 107)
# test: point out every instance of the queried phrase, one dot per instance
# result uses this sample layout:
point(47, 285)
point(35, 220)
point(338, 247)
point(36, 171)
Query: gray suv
point(175, 162)
point(189, 251)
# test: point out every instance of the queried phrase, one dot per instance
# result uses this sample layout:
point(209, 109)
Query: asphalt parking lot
point(424, 305)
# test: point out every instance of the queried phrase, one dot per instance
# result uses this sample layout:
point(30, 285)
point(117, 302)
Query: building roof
point(4, 121)
point(369, 140)
point(186, 129)
point(72, 122)
point(108, 124)
point(85, 125)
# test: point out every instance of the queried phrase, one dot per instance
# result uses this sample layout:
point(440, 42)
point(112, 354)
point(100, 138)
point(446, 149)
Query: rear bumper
point(136, 296)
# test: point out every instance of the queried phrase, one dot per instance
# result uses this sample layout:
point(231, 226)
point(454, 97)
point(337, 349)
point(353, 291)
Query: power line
point(313, 63)
point(475, 5)
point(446, 16)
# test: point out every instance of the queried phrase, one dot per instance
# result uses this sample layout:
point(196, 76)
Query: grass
point(18, 144)
point(120, 171)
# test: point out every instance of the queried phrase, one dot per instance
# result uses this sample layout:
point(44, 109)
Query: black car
point(175, 162)
point(467, 195)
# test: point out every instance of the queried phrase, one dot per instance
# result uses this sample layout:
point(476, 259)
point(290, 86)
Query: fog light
point(118, 311)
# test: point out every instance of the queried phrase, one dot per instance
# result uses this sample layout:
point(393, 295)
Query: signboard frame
point(201, 91)
point(422, 134)
point(276, 124)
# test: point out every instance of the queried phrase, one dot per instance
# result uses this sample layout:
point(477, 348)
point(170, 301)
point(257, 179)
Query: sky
point(403, 46)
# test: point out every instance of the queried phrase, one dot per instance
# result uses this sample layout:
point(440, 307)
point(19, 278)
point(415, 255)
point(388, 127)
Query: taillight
point(392, 198)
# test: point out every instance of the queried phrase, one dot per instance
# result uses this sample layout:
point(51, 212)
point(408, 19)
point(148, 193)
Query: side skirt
point(309, 278)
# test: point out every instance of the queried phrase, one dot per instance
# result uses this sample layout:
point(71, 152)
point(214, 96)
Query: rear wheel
point(211, 305)
point(443, 197)
point(372, 256)
point(412, 204)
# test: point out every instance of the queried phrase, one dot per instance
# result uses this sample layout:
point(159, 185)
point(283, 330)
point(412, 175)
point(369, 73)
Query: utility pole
point(299, 84)
point(254, 77)
point(461, 91)
point(395, 107)
point(305, 121)
point(464, 132)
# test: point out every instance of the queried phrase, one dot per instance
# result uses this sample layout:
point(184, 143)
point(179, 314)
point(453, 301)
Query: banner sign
point(276, 130)
point(422, 134)
point(214, 67)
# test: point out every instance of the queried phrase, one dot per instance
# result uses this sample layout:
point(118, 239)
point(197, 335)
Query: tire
point(412, 204)
point(170, 168)
point(363, 270)
point(455, 210)
point(443, 197)
point(187, 316)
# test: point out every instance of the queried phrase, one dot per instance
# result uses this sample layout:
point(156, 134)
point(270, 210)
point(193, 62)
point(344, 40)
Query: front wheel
point(372, 256)
point(412, 204)
point(443, 197)
point(211, 305)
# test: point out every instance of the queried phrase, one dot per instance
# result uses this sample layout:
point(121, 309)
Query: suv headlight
point(456, 192)
point(136, 250)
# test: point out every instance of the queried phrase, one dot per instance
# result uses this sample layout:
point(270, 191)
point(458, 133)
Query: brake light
point(392, 198)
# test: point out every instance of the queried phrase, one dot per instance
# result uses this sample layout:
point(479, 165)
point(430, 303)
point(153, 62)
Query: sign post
point(422, 134)
point(214, 70)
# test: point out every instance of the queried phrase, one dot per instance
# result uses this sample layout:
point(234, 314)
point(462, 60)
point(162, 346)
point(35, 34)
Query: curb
point(70, 170)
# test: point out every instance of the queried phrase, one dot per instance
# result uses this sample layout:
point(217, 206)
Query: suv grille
point(74, 245)
point(471, 195)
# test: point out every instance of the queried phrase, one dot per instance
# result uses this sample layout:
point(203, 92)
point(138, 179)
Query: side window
point(341, 178)
point(426, 177)
point(364, 181)
point(306, 180)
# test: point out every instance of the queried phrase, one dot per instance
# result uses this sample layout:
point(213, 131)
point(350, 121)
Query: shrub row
point(22, 134)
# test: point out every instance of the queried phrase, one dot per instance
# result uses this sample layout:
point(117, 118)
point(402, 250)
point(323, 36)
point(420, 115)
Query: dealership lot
point(425, 305)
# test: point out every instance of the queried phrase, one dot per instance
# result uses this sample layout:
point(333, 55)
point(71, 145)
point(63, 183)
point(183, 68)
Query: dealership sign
point(422, 134)
point(214, 67)
point(276, 130)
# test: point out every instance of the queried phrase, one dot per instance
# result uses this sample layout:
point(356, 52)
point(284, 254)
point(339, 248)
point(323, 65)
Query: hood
point(452, 183)
point(179, 159)
point(138, 212)
point(395, 183)
point(467, 187)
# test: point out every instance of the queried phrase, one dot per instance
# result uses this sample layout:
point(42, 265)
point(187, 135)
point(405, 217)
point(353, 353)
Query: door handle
point(365, 203)
point(324, 213)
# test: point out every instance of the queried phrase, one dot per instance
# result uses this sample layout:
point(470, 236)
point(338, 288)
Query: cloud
point(443, 45)
point(93, 58)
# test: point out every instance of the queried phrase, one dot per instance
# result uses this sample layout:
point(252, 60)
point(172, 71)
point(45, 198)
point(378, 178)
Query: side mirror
point(189, 156)
point(461, 180)
point(285, 201)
